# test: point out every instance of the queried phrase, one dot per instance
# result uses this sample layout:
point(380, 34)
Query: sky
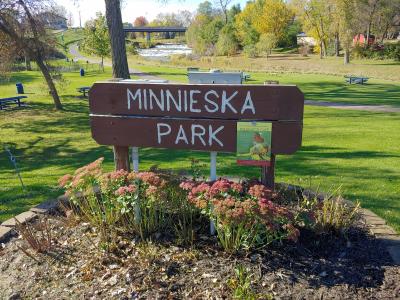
point(132, 8)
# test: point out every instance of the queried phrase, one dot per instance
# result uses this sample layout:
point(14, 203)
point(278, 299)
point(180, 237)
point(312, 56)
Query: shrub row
point(387, 51)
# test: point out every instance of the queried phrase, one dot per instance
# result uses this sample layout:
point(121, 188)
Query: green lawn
point(317, 87)
point(68, 37)
point(359, 151)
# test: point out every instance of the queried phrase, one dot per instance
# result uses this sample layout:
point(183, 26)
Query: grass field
point(317, 87)
point(358, 151)
point(288, 63)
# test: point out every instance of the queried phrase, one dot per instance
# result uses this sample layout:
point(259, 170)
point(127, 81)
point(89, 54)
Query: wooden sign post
point(196, 117)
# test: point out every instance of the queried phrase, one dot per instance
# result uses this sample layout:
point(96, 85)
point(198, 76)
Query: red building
point(361, 38)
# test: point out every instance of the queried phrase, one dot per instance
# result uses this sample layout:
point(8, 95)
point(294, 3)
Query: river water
point(164, 51)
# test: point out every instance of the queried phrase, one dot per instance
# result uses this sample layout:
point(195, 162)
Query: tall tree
point(96, 38)
point(206, 9)
point(140, 21)
point(117, 39)
point(245, 20)
point(274, 18)
point(119, 65)
point(349, 26)
point(204, 31)
point(223, 5)
point(8, 54)
point(369, 8)
point(19, 21)
point(316, 20)
point(387, 20)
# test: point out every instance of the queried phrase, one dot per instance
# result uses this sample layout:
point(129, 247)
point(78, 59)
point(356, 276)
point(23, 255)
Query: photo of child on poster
point(254, 143)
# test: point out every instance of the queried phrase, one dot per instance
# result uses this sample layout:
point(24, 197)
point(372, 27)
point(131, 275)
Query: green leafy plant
point(183, 213)
point(195, 169)
point(240, 285)
point(141, 203)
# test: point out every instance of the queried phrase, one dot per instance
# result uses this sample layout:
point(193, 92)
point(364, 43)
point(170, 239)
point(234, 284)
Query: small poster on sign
point(254, 143)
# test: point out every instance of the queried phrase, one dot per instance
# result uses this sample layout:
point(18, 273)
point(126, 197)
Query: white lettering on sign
point(213, 103)
point(194, 101)
point(248, 104)
point(165, 132)
point(226, 102)
point(132, 97)
point(181, 136)
point(198, 134)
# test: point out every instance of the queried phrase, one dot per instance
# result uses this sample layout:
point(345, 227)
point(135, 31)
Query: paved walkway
point(374, 108)
point(338, 105)
point(74, 51)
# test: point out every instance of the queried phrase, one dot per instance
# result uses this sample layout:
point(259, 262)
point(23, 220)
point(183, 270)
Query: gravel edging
point(377, 226)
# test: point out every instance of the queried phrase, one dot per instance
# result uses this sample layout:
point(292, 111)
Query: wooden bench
point(84, 90)
point(4, 102)
point(356, 79)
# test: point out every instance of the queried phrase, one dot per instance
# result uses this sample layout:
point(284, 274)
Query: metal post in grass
point(213, 177)
point(13, 160)
point(135, 158)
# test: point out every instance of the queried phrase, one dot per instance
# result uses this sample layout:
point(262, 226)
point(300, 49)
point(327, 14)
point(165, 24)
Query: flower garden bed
point(147, 236)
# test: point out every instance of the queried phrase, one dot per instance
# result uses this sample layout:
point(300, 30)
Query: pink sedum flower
point(237, 187)
point(260, 191)
point(124, 190)
point(220, 186)
point(66, 179)
point(187, 185)
point(120, 174)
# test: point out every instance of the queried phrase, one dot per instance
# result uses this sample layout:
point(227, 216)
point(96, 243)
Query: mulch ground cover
point(76, 267)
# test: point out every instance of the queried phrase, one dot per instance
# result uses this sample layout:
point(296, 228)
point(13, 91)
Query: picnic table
point(84, 90)
point(246, 76)
point(4, 102)
point(350, 79)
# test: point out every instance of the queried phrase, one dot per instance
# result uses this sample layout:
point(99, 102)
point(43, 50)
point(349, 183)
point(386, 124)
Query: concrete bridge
point(148, 30)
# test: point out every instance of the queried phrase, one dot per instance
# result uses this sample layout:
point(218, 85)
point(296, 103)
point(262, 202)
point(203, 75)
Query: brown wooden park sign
point(197, 117)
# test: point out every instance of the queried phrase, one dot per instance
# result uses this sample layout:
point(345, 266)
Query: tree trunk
point(102, 64)
point(117, 38)
point(324, 51)
point(28, 65)
point(119, 65)
point(370, 18)
point(366, 43)
point(53, 91)
point(385, 32)
point(121, 158)
point(346, 56)
point(320, 50)
point(337, 44)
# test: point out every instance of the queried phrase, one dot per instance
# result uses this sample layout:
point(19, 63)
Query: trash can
point(20, 88)
point(82, 72)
